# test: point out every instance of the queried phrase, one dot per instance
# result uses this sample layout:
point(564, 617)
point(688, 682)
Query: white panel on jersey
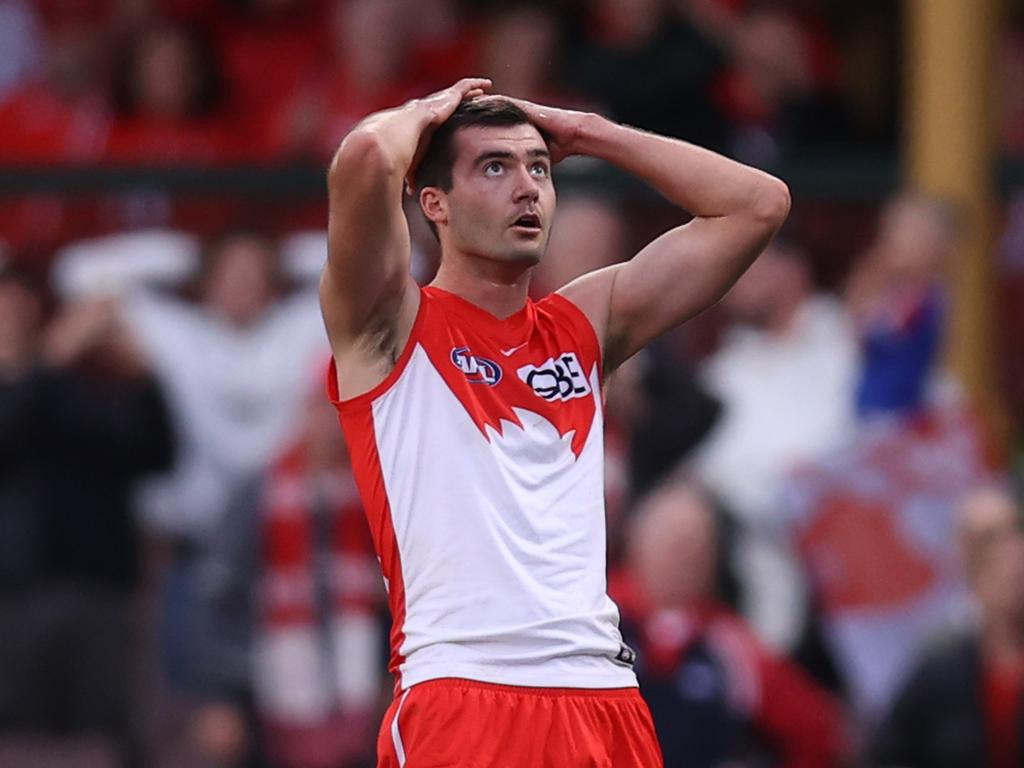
point(502, 541)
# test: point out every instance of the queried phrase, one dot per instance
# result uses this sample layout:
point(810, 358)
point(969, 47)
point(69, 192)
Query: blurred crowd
point(816, 548)
point(176, 81)
point(169, 81)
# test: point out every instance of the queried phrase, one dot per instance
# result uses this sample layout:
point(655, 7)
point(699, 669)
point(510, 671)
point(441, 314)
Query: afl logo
point(479, 370)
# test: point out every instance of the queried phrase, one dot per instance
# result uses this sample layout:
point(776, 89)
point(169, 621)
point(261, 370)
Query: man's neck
point(500, 289)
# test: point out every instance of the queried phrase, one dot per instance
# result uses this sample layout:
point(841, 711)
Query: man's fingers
point(468, 87)
point(443, 103)
point(523, 104)
point(467, 84)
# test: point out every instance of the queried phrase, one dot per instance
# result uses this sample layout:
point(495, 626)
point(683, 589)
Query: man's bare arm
point(736, 211)
point(369, 300)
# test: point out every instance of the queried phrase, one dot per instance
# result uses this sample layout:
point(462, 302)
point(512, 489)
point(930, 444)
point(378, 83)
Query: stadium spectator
point(293, 606)
point(60, 113)
point(81, 421)
point(367, 68)
point(169, 100)
point(963, 703)
point(1010, 93)
point(445, 41)
point(718, 695)
point(1011, 317)
point(234, 366)
point(20, 43)
point(674, 414)
point(784, 374)
point(589, 233)
point(777, 92)
point(520, 46)
point(648, 66)
point(267, 48)
point(898, 302)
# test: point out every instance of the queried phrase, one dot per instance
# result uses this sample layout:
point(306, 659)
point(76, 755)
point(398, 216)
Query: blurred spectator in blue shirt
point(898, 303)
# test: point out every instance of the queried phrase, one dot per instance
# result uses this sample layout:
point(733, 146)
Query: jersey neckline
point(515, 323)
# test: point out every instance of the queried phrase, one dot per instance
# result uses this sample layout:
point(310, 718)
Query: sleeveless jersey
point(480, 464)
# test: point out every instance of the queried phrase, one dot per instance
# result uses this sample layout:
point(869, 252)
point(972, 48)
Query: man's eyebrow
point(504, 154)
point(494, 154)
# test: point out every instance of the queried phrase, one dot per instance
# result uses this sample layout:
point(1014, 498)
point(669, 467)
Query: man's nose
point(526, 187)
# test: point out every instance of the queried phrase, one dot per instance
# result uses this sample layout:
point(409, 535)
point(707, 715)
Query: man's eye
point(539, 169)
point(493, 168)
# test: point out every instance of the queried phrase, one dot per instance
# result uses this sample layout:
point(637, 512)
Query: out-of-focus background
point(814, 527)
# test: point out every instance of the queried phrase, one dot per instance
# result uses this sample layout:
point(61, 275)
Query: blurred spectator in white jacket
point(235, 366)
point(785, 375)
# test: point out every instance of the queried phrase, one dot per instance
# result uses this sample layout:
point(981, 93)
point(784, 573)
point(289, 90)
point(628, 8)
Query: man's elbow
point(771, 203)
point(362, 154)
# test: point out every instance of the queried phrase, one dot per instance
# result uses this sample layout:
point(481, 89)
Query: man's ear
point(434, 203)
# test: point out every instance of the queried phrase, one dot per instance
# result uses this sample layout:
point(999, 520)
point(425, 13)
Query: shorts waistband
point(461, 682)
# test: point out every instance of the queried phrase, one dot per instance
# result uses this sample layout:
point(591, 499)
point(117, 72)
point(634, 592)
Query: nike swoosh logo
point(513, 350)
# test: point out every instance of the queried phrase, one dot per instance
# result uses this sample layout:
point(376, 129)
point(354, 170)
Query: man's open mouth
point(528, 221)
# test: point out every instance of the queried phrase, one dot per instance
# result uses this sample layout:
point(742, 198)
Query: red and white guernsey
point(480, 463)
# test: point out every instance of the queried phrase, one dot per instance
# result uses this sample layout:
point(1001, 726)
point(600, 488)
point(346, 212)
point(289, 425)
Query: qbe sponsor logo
point(557, 378)
point(479, 370)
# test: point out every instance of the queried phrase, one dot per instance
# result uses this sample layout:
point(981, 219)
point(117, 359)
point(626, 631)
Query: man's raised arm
point(736, 209)
point(369, 300)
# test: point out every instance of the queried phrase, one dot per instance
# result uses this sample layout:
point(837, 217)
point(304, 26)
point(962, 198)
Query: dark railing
point(842, 177)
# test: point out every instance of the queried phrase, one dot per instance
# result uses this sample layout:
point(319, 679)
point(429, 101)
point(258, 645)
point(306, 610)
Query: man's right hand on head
point(442, 105)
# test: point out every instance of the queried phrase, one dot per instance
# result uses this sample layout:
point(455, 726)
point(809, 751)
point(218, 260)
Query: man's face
point(502, 198)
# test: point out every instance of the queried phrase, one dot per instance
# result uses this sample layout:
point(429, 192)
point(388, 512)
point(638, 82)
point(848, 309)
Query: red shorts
point(455, 723)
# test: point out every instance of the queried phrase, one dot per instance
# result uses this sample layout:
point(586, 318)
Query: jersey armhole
point(583, 324)
point(403, 359)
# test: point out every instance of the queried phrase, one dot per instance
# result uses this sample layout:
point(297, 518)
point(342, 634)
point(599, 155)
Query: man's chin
point(527, 253)
point(529, 258)
point(520, 256)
